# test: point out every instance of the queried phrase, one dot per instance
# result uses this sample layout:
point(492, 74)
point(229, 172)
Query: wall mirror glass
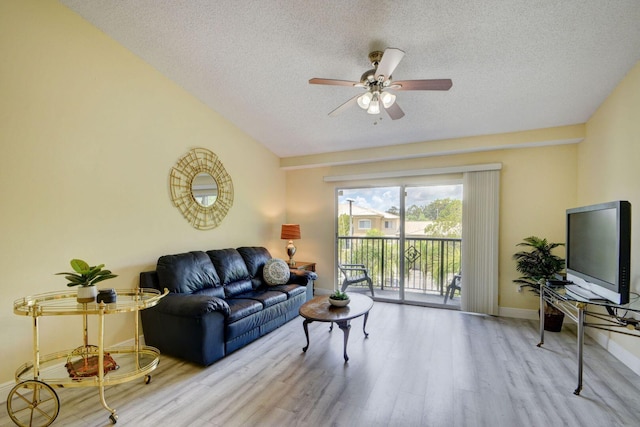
point(204, 189)
point(201, 188)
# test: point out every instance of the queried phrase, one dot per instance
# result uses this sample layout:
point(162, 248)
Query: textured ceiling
point(515, 64)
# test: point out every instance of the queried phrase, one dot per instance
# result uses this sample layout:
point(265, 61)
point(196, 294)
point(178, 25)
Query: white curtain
point(480, 209)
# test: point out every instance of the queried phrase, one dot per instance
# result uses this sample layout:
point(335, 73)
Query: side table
point(304, 265)
point(320, 310)
point(589, 313)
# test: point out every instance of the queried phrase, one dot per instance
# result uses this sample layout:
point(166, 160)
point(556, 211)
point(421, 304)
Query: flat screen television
point(599, 249)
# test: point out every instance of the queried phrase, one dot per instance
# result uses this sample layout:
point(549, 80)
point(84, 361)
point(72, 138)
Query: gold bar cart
point(33, 401)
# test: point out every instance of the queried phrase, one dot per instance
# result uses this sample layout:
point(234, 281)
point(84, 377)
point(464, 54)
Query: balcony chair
point(355, 273)
point(451, 289)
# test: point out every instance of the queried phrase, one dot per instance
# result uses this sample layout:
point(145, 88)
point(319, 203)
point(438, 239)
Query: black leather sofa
point(218, 302)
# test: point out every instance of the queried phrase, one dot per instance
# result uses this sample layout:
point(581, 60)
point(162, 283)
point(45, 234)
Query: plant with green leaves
point(538, 264)
point(338, 295)
point(85, 275)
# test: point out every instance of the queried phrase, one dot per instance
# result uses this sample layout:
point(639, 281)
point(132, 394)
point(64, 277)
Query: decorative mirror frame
point(196, 161)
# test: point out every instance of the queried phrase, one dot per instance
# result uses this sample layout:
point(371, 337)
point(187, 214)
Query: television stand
point(579, 310)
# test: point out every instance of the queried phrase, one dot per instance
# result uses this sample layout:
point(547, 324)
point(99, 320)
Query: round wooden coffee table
point(319, 309)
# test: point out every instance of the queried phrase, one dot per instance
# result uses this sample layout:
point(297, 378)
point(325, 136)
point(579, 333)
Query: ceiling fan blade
point(395, 112)
point(344, 106)
point(390, 60)
point(334, 82)
point(434, 84)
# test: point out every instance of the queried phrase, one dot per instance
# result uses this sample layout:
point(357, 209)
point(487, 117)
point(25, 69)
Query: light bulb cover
point(374, 105)
point(387, 99)
point(365, 100)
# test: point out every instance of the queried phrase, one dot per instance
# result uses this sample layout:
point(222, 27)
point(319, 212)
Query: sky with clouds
point(382, 198)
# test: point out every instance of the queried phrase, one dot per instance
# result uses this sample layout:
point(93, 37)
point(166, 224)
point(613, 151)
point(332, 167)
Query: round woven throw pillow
point(276, 272)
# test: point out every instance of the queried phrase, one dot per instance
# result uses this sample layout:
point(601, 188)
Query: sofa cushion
point(229, 265)
point(290, 290)
point(217, 292)
point(240, 308)
point(276, 272)
point(187, 272)
point(254, 258)
point(267, 298)
point(232, 271)
point(246, 325)
point(237, 288)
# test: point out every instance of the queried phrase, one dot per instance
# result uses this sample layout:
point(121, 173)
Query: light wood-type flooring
point(419, 367)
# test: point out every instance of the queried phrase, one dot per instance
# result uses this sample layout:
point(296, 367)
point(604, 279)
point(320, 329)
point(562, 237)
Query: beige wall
point(88, 135)
point(537, 185)
point(608, 170)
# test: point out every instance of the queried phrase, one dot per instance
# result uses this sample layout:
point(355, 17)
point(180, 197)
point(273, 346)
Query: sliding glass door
point(408, 238)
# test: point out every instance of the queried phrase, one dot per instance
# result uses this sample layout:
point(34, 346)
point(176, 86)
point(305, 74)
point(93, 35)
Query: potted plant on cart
point(86, 277)
point(537, 265)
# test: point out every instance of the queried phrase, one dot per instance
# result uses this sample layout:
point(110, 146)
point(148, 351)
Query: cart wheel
point(33, 403)
point(113, 418)
point(147, 379)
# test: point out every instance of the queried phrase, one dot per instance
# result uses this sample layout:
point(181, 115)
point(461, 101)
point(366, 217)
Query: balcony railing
point(429, 263)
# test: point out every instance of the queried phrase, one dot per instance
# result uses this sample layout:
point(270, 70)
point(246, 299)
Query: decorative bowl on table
point(339, 299)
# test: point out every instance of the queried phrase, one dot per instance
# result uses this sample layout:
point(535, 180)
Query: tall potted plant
point(86, 278)
point(537, 265)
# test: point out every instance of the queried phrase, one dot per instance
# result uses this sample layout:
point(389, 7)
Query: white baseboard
point(518, 313)
point(625, 356)
point(616, 350)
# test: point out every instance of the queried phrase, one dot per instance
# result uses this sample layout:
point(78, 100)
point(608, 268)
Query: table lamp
point(290, 232)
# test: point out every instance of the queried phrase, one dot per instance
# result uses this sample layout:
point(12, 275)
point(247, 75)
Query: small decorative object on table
point(106, 296)
point(86, 277)
point(88, 366)
point(339, 299)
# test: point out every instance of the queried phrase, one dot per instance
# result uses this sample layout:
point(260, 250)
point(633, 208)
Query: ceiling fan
point(378, 85)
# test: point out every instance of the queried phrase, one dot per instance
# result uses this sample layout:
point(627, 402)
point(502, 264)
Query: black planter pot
point(553, 321)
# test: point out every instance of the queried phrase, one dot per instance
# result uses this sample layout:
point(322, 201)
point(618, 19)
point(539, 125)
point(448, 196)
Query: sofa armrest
point(149, 279)
point(301, 277)
point(187, 305)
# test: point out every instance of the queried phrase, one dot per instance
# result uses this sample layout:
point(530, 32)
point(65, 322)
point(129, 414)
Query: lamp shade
point(290, 231)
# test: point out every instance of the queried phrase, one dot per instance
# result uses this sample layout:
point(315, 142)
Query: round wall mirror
point(204, 189)
point(201, 188)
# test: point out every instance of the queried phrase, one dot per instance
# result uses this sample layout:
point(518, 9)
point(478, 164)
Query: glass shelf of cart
point(132, 363)
point(64, 303)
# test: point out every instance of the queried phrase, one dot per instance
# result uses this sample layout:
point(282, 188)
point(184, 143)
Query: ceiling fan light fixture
point(374, 105)
point(377, 81)
point(387, 99)
point(365, 100)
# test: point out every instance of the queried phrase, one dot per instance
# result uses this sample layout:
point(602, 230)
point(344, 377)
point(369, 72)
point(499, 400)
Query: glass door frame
point(402, 238)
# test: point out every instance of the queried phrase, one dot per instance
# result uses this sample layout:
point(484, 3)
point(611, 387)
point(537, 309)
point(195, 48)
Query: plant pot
point(87, 294)
point(553, 321)
point(339, 302)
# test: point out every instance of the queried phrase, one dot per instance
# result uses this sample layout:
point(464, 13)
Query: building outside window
point(364, 224)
